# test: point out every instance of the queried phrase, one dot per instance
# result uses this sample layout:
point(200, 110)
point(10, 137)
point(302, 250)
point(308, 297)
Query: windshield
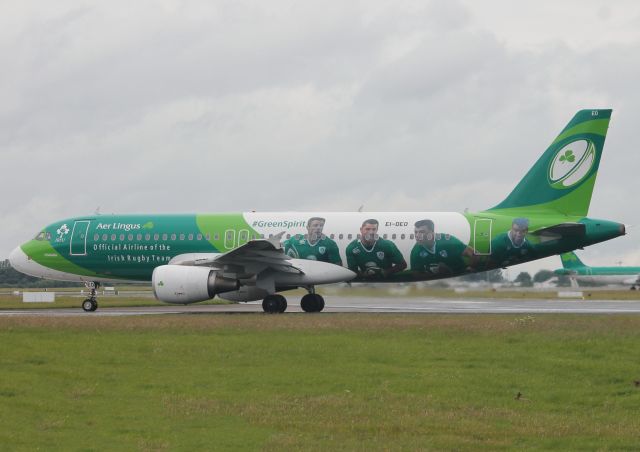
point(43, 236)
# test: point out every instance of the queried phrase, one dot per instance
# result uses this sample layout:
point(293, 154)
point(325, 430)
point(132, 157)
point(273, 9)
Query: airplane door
point(243, 237)
point(482, 236)
point(78, 245)
point(229, 239)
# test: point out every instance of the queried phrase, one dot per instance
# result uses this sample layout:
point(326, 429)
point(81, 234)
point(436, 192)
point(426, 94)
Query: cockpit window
point(40, 236)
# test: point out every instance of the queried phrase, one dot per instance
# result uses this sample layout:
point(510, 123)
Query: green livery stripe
point(233, 224)
point(575, 203)
point(44, 254)
point(595, 126)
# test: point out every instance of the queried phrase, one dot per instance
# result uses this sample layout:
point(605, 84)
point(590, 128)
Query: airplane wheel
point(283, 304)
point(312, 302)
point(273, 304)
point(633, 288)
point(89, 305)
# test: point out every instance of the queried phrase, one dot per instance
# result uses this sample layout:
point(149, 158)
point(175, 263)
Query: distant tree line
point(12, 278)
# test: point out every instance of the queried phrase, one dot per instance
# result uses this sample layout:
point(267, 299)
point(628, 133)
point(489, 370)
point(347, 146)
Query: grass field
point(320, 382)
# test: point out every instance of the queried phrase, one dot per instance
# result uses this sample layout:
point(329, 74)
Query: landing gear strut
point(274, 304)
point(91, 304)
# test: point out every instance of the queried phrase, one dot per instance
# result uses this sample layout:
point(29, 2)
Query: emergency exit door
point(482, 236)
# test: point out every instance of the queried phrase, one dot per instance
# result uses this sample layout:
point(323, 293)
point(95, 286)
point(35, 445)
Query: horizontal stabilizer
point(559, 231)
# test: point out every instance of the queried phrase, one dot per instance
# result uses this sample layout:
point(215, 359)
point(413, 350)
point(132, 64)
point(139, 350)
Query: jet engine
point(188, 284)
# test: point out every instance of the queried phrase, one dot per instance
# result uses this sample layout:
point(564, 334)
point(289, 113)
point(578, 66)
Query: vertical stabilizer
point(562, 180)
point(570, 260)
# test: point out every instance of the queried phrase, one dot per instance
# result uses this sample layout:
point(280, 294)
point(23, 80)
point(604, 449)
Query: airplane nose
point(18, 259)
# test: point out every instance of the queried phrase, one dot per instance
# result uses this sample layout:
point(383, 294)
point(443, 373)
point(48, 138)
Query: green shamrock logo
point(568, 156)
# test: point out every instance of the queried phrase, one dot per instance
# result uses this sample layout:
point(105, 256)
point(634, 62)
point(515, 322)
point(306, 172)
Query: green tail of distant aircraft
point(252, 256)
point(573, 267)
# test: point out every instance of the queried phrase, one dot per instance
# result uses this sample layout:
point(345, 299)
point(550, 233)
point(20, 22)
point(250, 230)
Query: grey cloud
point(204, 106)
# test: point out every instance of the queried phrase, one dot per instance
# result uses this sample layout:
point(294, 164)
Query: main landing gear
point(276, 304)
point(91, 304)
point(312, 302)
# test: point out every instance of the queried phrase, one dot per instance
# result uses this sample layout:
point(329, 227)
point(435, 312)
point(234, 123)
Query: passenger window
point(333, 236)
point(199, 236)
point(341, 236)
point(113, 237)
point(270, 236)
point(208, 236)
point(216, 236)
point(402, 237)
point(156, 237)
point(96, 237)
point(190, 237)
point(261, 236)
point(130, 237)
point(288, 236)
point(147, 236)
point(104, 237)
point(173, 236)
point(384, 236)
point(139, 237)
point(357, 236)
point(350, 236)
point(393, 236)
point(411, 237)
point(122, 237)
point(164, 237)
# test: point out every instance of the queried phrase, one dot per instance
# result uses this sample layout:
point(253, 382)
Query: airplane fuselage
point(129, 247)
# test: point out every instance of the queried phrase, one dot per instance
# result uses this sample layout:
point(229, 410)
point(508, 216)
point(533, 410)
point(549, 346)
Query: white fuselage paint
point(346, 223)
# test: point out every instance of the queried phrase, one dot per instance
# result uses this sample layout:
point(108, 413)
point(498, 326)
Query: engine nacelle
point(188, 284)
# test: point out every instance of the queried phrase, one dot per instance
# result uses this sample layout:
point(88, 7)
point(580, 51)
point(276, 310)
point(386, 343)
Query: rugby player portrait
point(438, 254)
point(513, 245)
point(314, 244)
point(373, 257)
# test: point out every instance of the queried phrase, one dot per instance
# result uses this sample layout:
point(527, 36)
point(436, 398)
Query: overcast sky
point(187, 106)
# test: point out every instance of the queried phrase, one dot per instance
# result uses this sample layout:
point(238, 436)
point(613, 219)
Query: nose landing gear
point(91, 304)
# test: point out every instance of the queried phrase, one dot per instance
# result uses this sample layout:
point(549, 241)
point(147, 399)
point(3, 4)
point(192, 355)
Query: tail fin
point(570, 260)
point(562, 179)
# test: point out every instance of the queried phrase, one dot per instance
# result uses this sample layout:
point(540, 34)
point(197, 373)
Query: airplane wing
point(251, 258)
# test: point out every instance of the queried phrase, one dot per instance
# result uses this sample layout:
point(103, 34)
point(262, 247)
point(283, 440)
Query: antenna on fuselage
point(361, 208)
point(97, 212)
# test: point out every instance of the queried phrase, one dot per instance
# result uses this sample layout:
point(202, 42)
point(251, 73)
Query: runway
point(365, 304)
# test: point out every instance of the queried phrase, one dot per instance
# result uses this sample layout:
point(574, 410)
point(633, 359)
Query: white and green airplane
point(255, 255)
point(573, 267)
